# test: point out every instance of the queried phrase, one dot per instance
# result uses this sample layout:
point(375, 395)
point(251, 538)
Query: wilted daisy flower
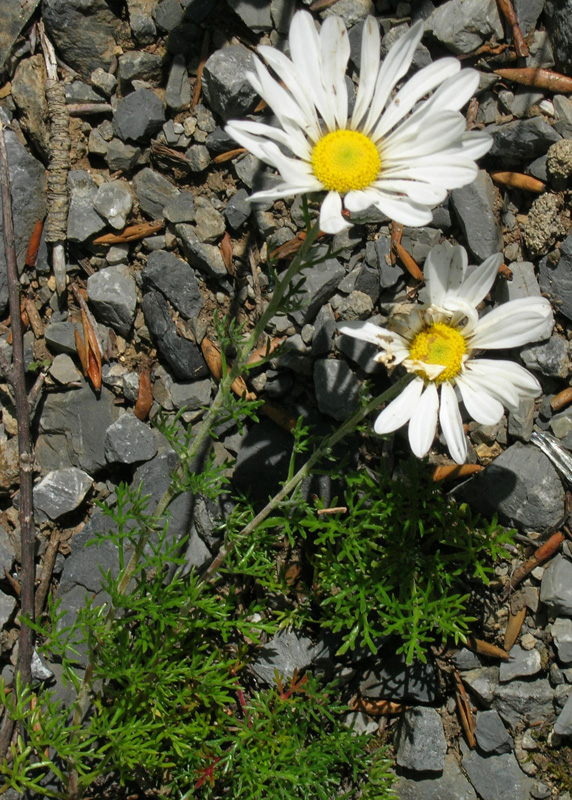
point(382, 155)
point(438, 343)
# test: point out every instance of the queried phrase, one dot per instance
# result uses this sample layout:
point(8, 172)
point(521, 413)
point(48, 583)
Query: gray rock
point(112, 293)
point(198, 158)
point(395, 680)
point(105, 82)
point(237, 209)
point(561, 631)
point(7, 606)
point(209, 222)
point(551, 359)
point(522, 663)
point(249, 169)
point(523, 284)
point(286, 651)
point(138, 116)
point(64, 370)
point(561, 424)
point(523, 701)
point(418, 241)
point(9, 463)
point(28, 190)
point(180, 208)
point(362, 353)
point(122, 157)
point(527, 13)
point(320, 282)
point(139, 65)
point(72, 427)
point(15, 17)
point(182, 356)
point(168, 15)
point(255, 15)
point(521, 486)
point(153, 191)
point(174, 278)
point(204, 257)
point(474, 207)
point(83, 219)
point(491, 734)
point(191, 395)
point(496, 777)
point(225, 85)
point(61, 491)
point(85, 32)
point(463, 25)
point(178, 91)
point(7, 551)
point(336, 387)
point(351, 11)
point(521, 140)
point(262, 460)
point(451, 785)
point(39, 670)
point(559, 24)
point(141, 20)
point(563, 724)
point(324, 330)
point(114, 201)
point(465, 659)
point(128, 440)
point(80, 92)
point(545, 224)
point(556, 586)
point(556, 279)
point(521, 421)
point(483, 683)
point(420, 740)
point(29, 93)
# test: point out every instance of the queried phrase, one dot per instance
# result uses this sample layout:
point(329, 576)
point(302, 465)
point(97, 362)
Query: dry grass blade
point(132, 233)
point(89, 349)
point(518, 181)
point(144, 396)
point(33, 317)
point(225, 248)
point(222, 157)
point(486, 649)
point(539, 78)
point(202, 62)
point(336, 510)
point(452, 472)
point(409, 262)
point(465, 711)
point(266, 350)
point(213, 357)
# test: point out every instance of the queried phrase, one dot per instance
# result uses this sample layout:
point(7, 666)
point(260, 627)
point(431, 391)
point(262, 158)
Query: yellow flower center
point(344, 160)
point(440, 344)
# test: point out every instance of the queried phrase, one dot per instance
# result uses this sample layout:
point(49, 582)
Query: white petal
point(436, 271)
point(422, 193)
point(403, 210)
point(416, 87)
point(367, 332)
point(489, 370)
point(335, 56)
point(305, 51)
point(512, 324)
point(476, 143)
point(480, 405)
point(294, 140)
point(399, 411)
point(423, 422)
point(280, 191)
point(281, 101)
point(369, 67)
point(438, 132)
point(451, 424)
point(331, 220)
point(451, 172)
point(293, 170)
point(480, 279)
point(394, 67)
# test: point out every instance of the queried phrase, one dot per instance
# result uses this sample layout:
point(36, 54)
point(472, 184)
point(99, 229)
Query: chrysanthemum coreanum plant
point(438, 343)
point(401, 154)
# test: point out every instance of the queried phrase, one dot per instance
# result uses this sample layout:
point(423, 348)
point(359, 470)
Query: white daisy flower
point(438, 342)
point(403, 163)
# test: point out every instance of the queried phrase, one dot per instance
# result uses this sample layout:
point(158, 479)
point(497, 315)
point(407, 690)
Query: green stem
point(320, 452)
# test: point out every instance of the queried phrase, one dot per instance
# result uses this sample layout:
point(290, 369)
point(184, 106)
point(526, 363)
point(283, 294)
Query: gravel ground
point(149, 149)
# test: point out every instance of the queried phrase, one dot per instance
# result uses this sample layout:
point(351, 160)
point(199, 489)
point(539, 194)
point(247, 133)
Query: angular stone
point(521, 421)
point(556, 586)
point(28, 191)
point(336, 388)
point(182, 356)
point(521, 486)
point(451, 785)
point(225, 84)
point(64, 370)
point(255, 15)
point(463, 25)
point(122, 157)
point(522, 663)
point(180, 208)
point(320, 282)
point(83, 219)
point(287, 651)
point(561, 630)
point(141, 20)
point(29, 93)
point(191, 395)
point(563, 724)
point(113, 200)
point(7, 606)
point(209, 222)
point(393, 679)
point(496, 777)
point(522, 140)
point(491, 734)
point(527, 13)
point(139, 65)
point(558, 21)
point(204, 257)
point(174, 278)
point(483, 683)
point(112, 293)
point(128, 440)
point(237, 209)
point(72, 427)
point(522, 701)
point(178, 91)
point(556, 278)
point(262, 460)
point(420, 740)
point(138, 116)
point(153, 191)
point(474, 206)
point(85, 32)
point(61, 491)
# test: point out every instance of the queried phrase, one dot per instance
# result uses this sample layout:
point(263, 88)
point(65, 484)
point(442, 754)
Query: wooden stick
point(543, 553)
point(47, 571)
point(520, 45)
